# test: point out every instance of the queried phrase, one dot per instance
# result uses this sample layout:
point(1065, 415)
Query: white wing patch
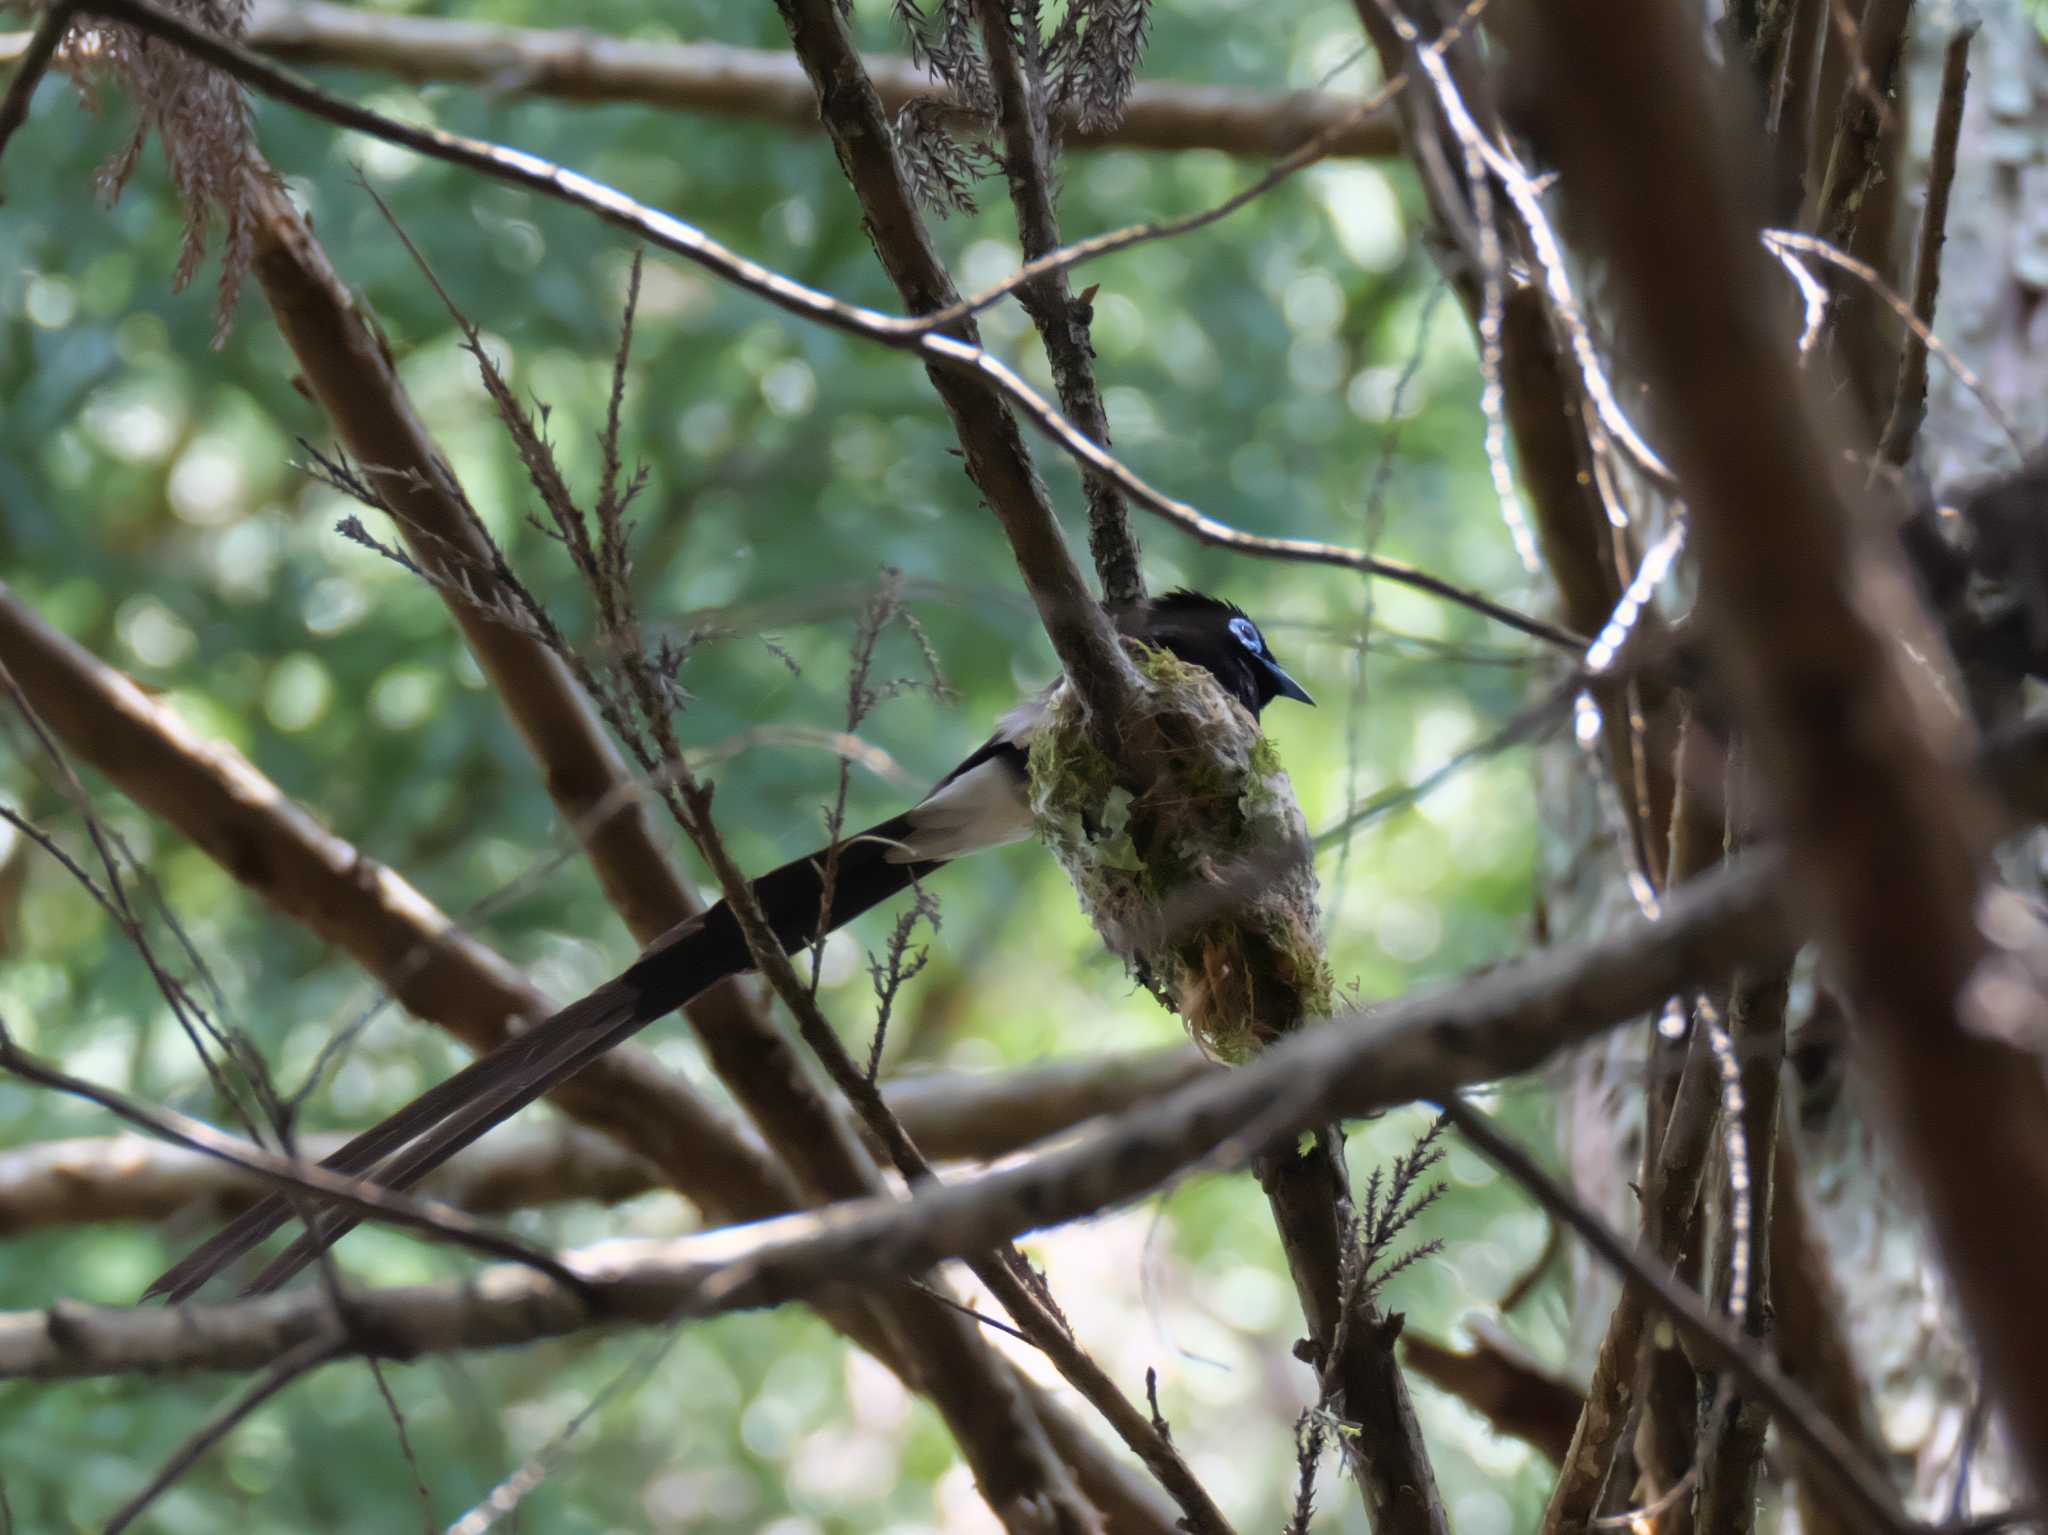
point(1017, 726)
point(985, 808)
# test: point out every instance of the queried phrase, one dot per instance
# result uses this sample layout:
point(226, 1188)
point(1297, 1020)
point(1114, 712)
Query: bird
point(982, 803)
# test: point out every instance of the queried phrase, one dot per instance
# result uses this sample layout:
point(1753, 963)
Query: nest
point(1205, 884)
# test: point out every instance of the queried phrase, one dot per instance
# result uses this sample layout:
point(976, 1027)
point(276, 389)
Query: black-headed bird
point(982, 803)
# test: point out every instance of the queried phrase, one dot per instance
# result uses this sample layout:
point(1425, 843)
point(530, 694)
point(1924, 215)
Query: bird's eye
point(1247, 635)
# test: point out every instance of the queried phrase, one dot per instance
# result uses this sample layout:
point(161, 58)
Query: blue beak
point(1288, 687)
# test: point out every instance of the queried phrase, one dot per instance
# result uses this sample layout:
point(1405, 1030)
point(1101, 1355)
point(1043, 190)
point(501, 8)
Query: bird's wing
point(985, 802)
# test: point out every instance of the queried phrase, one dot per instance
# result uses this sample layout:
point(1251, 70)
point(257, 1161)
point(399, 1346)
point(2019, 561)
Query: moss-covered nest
point(1205, 884)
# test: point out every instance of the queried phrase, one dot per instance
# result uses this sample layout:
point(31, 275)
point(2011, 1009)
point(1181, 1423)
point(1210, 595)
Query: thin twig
point(112, 898)
point(1492, 276)
point(1732, 1454)
point(1885, 838)
point(1794, 1411)
point(952, 1115)
point(307, 1357)
point(35, 63)
point(367, 1200)
point(422, 956)
point(1529, 724)
point(1001, 1439)
point(1909, 394)
point(1017, 74)
point(405, 1445)
point(504, 1499)
point(1876, 47)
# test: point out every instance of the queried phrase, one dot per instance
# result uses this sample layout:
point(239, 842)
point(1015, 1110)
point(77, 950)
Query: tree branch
point(35, 51)
point(952, 1115)
point(1505, 1021)
point(1019, 81)
point(366, 1199)
point(754, 84)
point(997, 462)
point(1909, 394)
point(1863, 1485)
point(214, 796)
point(1829, 659)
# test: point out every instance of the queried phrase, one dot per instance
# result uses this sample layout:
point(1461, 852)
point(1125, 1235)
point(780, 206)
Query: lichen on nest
point(1204, 885)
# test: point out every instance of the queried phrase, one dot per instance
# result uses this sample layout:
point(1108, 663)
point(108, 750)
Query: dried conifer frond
point(943, 46)
point(1092, 59)
point(942, 169)
point(202, 118)
point(1393, 1199)
point(1311, 1429)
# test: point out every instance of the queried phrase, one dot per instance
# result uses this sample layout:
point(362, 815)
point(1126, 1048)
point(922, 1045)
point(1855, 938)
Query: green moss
point(1204, 885)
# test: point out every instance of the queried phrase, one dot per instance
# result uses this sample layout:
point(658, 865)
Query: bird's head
point(1218, 637)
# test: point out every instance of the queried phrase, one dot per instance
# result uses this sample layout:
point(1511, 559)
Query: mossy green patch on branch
point(1203, 884)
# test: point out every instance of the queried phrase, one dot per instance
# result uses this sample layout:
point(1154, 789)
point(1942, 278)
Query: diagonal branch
point(1857, 1481)
point(1909, 394)
point(351, 375)
point(245, 822)
point(1016, 70)
point(997, 462)
point(952, 1115)
point(1502, 1022)
point(366, 1199)
point(218, 799)
point(35, 58)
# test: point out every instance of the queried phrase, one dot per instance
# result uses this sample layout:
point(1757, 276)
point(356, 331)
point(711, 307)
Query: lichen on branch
point(1203, 882)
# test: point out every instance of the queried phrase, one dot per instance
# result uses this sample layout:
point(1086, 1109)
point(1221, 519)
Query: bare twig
point(406, 1450)
point(350, 372)
point(366, 1199)
point(996, 460)
point(441, 973)
point(303, 1360)
point(244, 822)
point(35, 58)
point(952, 1115)
point(1546, 360)
point(1005, 1445)
point(1861, 117)
point(1732, 1454)
point(1017, 74)
point(503, 1500)
point(1096, 665)
point(1795, 1412)
point(1791, 240)
point(91, 1181)
point(111, 852)
point(1909, 394)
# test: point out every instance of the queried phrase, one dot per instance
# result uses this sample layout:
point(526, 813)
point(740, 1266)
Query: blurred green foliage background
point(1290, 369)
